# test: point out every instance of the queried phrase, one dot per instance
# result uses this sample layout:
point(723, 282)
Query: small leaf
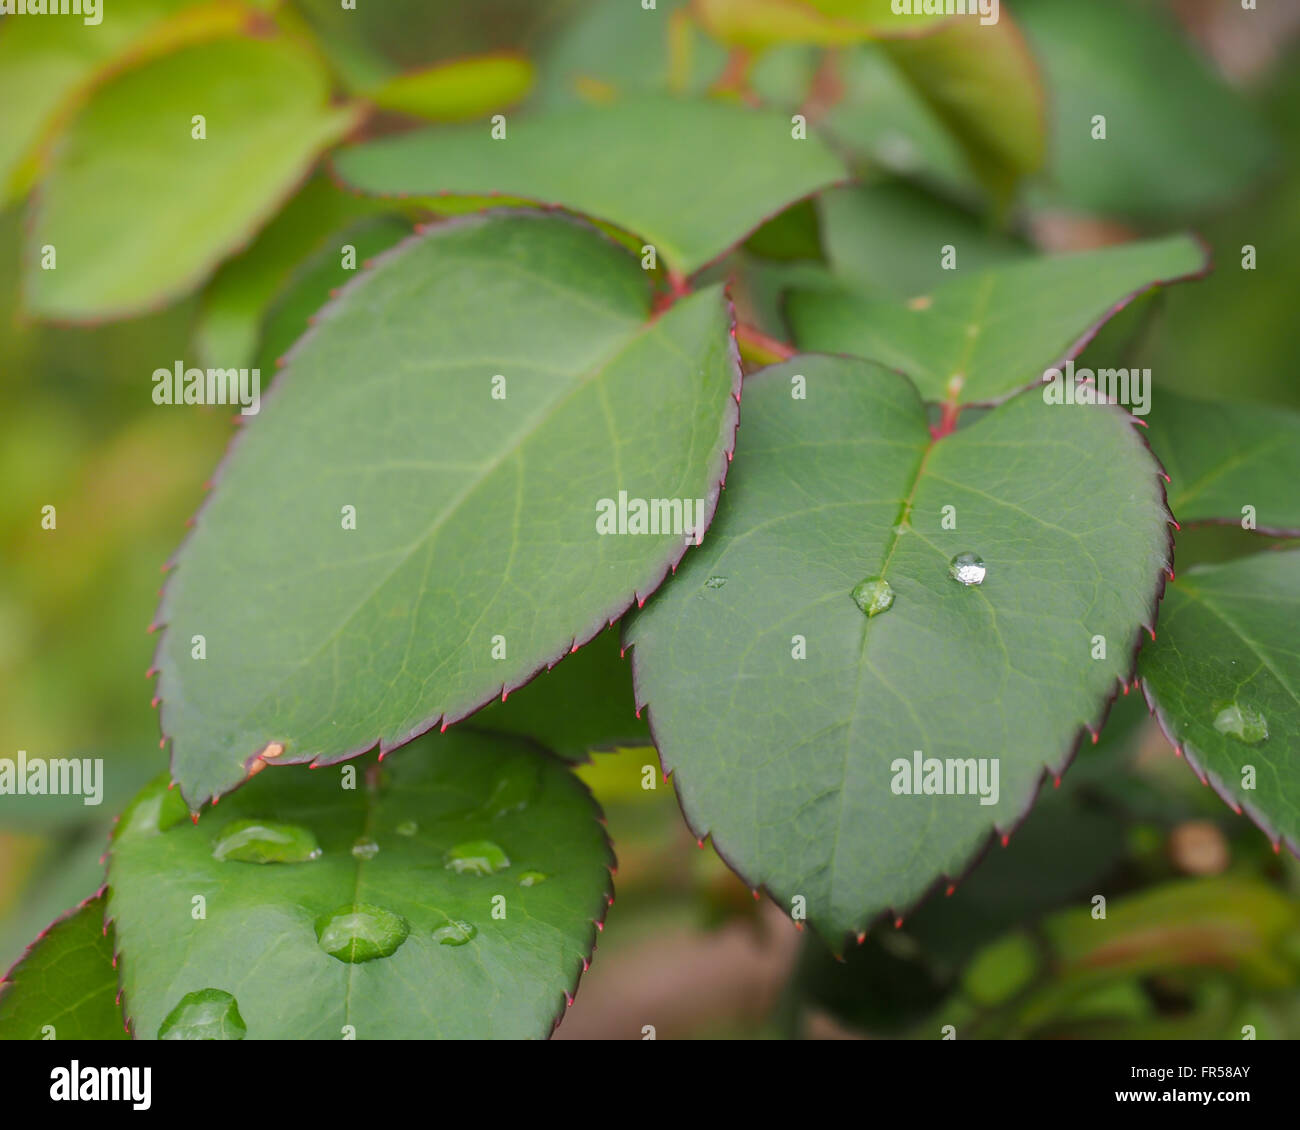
point(169, 207)
point(585, 703)
point(409, 529)
point(981, 337)
point(1164, 106)
point(378, 930)
point(1223, 677)
point(65, 983)
point(48, 66)
point(983, 84)
point(718, 171)
point(786, 715)
point(457, 90)
point(758, 24)
point(1223, 457)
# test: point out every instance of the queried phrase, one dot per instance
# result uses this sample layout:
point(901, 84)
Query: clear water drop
point(209, 1014)
point(265, 841)
point(365, 848)
point(873, 596)
point(407, 828)
point(968, 569)
point(361, 932)
point(454, 933)
point(715, 582)
point(476, 857)
point(1242, 721)
point(532, 878)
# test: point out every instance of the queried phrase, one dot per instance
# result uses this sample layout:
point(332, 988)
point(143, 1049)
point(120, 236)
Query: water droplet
point(476, 857)
point(407, 828)
point(531, 878)
point(715, 582)
point(264, 841)
point(873, 596)
point(361, 932)
point(968, 568)
point(1241, 721)
point(209, 1014)
point(515, 790)
point(454, 933)
point(365, 848)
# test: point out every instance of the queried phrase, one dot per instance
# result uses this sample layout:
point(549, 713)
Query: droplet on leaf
point(967, 569)
point(361, 932)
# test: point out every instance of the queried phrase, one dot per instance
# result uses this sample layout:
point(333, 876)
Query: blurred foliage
point(1201, 932)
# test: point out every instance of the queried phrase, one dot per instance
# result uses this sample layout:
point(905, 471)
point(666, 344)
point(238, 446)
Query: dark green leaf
point(455, 895)
point(1223, 457)
point(475, 560)
point(983, 336)
point(585, 703)
point(1223, 676)
point(691, 177)
point(790, 763)
point(1178, 138)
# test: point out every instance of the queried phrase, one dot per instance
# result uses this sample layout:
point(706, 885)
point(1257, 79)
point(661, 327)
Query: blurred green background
point(1205, 107)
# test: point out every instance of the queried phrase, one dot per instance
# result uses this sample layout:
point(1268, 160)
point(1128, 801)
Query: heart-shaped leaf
point(452, 892)
point(981, 337)
point(833, 623)
point(586, 703)
point(170, 205)
point(1223, 677)
point(718, 170)
point(65, 987)
point(1234, 462)
point(416, 522)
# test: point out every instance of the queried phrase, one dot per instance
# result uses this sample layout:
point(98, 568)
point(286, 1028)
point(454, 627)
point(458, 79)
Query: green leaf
point(981, 337)
point(168, 207)
point(237, 299)
point(885, 124)
point(475, 561)
point(584, 703)
point(883, 239)
point(315, 280)
point(1223, 677)
point(1225, 456)
point(1165, 110)
point(384, 929)
point(759, 24)
point(458, 89)
point(65, 982)
point(691, 177)
point(789, 763)
point(983, 85)
point(610, 50)
point(48, 66)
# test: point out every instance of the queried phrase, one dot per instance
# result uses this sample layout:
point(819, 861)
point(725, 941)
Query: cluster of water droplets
point(356, 932)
